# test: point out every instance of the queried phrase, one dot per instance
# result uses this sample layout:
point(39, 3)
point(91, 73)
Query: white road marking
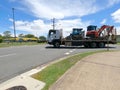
point(71, 51)
point(67, 53)
point(74, 49)
point(8, 55)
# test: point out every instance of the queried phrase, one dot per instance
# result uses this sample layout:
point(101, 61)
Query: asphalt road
point(17, 60)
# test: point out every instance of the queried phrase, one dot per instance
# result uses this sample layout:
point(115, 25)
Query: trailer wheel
point(93, 45)
point(56, 44)
point(101, 45)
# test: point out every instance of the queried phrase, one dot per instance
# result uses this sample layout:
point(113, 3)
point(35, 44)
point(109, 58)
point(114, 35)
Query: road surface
point(17, 60)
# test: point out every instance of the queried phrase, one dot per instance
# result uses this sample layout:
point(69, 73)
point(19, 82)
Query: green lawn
point(50, 74)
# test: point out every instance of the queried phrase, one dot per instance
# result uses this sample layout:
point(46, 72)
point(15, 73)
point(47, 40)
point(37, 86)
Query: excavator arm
point(108, 29)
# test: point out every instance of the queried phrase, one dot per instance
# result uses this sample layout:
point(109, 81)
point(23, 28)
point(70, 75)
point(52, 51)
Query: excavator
point(102, 32)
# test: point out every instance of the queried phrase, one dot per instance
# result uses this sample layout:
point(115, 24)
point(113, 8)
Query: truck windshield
point(52, 32)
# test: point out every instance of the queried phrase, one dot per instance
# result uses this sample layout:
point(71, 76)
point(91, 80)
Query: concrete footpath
point(96, 72)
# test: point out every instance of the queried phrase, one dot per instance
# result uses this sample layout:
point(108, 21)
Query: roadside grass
point(18, 44)
point(118, 43)
point(54, 71)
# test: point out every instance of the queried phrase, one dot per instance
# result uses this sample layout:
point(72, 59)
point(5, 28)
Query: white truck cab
point(54, 37)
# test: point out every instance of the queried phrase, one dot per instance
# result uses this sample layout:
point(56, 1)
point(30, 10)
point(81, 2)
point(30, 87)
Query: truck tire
point(86, 45)
point(56, 44)
point(101, 45)
point(93, 45)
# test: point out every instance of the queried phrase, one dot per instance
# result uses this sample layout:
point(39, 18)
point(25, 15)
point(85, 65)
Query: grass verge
point(53, 72)
point(118, 43)
point(18, 44)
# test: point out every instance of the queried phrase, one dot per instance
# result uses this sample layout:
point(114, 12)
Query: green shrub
point(1, 40)
point(41, 41)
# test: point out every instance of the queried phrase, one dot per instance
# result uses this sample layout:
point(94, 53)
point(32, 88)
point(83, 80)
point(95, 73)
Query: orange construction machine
point(105, 30)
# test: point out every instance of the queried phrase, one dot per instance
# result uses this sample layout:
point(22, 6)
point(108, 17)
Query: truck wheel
point(93, 45)
point(86, 45)
point(56, 44)
point(101, 45)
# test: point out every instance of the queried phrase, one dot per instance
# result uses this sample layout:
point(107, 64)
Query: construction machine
point(105, 30)
point(77, 34)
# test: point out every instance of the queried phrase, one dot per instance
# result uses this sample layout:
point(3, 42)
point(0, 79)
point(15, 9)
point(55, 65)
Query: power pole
point(53, 21)
point(14, 23)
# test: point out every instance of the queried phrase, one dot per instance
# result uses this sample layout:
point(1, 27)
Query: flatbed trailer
point(86, 43)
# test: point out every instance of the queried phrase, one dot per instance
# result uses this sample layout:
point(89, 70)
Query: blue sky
point(34, 16)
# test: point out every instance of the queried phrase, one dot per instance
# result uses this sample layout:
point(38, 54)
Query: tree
point(42, 38)
point(21, 35)
point(7, 34)
point(1, 38)
point(29, 36)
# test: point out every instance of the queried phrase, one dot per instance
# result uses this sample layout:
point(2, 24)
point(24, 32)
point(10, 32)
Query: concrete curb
point(25, 80)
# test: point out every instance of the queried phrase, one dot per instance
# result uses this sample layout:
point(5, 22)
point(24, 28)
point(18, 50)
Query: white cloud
point(116, 16)
point(1, 33)
point(36, 27)
point(39, 28)
point(112, 2)
point(65, 8)
point(59, 9)
point(118, 30)
point(10, 19)
point(103, 21)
